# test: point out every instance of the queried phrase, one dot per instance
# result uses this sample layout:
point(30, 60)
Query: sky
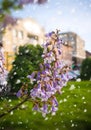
point(66, 15)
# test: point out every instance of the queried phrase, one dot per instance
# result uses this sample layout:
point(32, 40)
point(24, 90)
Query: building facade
point(66, 54)
point(77, 44)
point(88, 54)
point(18, 33)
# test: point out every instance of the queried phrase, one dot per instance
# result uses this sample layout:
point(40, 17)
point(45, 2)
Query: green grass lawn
point(74, 111)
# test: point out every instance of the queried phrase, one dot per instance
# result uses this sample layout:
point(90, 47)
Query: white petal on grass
point(1, 108)
point(12, 122)
point(2, 128)
point(57, 129)
point(77, 117)
point(76, 125)
point(53, 114)
point(61, 114)
point(67, 113)
point(83, 98)
point(65, 100)
point(71, 112)
point(34, 113)
point(75, 105)
point(84, 102)
point(71, 120)
point(78, 80)
point(11, 113)
point(27, 121)
point(23, 106)
point(89, 91)
point(9, 100)
point(75, 95)
point(62, 121)
point(68, 96)
point(46, 118)
point(50, 118)
point(55, 123)
point(85, 110)
point(72, 125)
point(60, 101)
point(19, 122)
point(63, 91)
point(19, 117)
point(64, 126)
point(79, 87)
point(44, 115)
point(11, 105)
point(72, 87)
point(26, 127)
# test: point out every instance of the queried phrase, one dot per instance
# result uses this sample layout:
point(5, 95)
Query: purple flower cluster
point(3, 72)
point(53, 75)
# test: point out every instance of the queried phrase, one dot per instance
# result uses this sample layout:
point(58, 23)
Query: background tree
point(6, 6)
point(26, 61)
point(86, 69)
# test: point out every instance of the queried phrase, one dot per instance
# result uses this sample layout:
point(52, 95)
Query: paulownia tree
point(48, 81)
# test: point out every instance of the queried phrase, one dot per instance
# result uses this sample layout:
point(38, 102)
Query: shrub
point(86, 69)
point(26, 61)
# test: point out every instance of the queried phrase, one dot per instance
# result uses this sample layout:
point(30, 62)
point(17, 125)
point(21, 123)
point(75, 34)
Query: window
point(15, 33)
point(33, 39)
point(20, 34)
point(14, 47)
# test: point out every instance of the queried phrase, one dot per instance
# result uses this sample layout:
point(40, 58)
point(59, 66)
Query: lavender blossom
point(54, 109)
point(31, 77)
point(36, 107)
point(55, 102)
point(19, 94)
point(44, 109)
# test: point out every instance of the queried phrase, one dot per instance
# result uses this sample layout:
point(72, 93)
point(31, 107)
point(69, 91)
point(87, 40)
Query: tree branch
point(14, 108)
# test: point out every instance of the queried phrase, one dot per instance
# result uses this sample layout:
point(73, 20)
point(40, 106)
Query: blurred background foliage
point(6, 6)
point(86, 69)
point(26, 61)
